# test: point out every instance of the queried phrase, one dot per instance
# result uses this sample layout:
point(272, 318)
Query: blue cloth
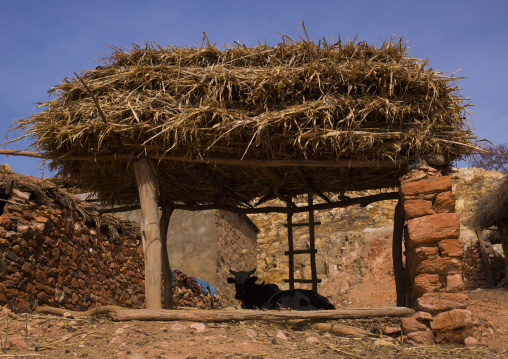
point(207, 287)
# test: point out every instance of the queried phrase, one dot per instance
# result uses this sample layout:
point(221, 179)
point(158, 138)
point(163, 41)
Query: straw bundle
point(299, 100)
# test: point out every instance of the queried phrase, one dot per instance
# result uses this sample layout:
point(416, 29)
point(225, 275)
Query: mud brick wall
point(236, 249)
point(434, 260)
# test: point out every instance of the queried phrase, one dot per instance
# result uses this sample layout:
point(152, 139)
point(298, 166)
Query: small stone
point(423, 315)
point(383, 342)
point(391, 330)
point(410, 325)
point(470, 341)
point(250, 333)
point(199, 327)
point(312, 340)
point(177, 326)
point(17, 342)
point(120, 331)
point(281, 335)
point(68, 315)
point(421, 337)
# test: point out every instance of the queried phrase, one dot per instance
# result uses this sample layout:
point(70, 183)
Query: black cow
point(251, 294)
point(269, 296)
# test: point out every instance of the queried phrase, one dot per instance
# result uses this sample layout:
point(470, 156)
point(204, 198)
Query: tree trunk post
point(150, 231)
point(398, 265)
point(167, 276)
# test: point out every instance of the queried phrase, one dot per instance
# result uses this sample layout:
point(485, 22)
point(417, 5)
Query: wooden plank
point(397, 254)
point(299, 251)
point(303, 280)
point(271, 315)
point(303, 224)
point(150, 231)
point(312, 243)
point(291, 259)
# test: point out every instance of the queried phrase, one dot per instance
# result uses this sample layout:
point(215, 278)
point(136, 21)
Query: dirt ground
point(57, 337)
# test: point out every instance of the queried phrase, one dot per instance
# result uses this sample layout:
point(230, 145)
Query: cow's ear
point(253, 279)
point(231, 280)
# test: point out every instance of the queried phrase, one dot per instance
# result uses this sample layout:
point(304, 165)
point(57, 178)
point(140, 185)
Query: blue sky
point(42, 42)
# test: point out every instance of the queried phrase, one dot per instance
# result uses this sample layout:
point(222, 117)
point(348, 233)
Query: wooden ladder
point(312, 246)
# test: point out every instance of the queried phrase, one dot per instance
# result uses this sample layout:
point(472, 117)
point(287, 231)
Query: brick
point(440, 265)
point(451, 247)
point(454, 283)
point(410, 325)
point(452, 319)
point(421, 337)
point(434, 303)
point(433, 228)
point(444, 202)
point(417, 208)
point(426, 186)
point(426, 283)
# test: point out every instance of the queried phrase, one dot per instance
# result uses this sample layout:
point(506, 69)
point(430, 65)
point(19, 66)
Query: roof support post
point(150, 231)
point(167, 273)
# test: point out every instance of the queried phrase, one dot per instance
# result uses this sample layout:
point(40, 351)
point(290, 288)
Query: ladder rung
point(303, 280)
point(300, 251)
point(302, 224)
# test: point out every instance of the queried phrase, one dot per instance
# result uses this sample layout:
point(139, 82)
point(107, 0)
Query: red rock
point(423, 316)
point(432, 228)
point(421, 337)
point(439, 302)
point(456, 336)
point(469, 341)
point(40, 276)
point(17, 342)
point(454, 283)
point(5, 222)
point(417, 208)
point(425, 283)
point(425, 186)
point(312, 340)
point(445, 202)
point(440, 265)
point(42, 219)
point(42, 297)
point(391, 330)
point(451, 247)
point(452, 319)
point(410, 325)
point(423, 253)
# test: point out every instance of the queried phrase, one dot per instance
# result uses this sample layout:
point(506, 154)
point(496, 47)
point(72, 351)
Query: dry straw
point(296, 101)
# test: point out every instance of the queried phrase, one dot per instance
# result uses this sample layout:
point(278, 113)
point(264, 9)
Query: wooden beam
point(398, 264)
point(362, 201)
point(237, 315)
point(345, 163)
point(150, 231)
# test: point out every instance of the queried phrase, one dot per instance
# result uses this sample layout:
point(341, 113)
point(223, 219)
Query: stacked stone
point(185, 297)
point(434, 260)
point(475, 272)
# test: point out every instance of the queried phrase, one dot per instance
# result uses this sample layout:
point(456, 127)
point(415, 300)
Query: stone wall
point(434, 260)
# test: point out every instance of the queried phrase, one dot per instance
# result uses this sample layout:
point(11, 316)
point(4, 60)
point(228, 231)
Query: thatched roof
point(213, 117)
point(492, 209)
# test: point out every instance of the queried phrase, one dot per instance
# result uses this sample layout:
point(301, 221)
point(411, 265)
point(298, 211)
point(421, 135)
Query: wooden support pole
point(167, 276)
point(150, 231)
point(398, 265)
point(485, 257)
point(291, 258)
point(312, 243)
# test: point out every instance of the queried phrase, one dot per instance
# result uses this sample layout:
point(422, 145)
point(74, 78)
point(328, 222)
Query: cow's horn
point(252, 271)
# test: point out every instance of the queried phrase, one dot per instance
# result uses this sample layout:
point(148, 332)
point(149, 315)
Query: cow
point(251, 294)
point(269, 296)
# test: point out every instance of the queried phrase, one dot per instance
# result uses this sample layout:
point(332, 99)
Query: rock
point(421, 337)
point(250, 333)
point(410, 325)
point(423, 316)
point(438, 302)
point(440, 265)
point(432, 228)
point(312, 340)
point(383, 342)
point(456, 336)
point(177, 326)
point(469, 341)
point(454, 283)
point(281, 335)
point(426, 186)
point(417, 208)
point(452, 319)
point(445, 202)
point(451, 247)
point(199, 327)
point(425, 283)
point(391, 330)
point(17, 342)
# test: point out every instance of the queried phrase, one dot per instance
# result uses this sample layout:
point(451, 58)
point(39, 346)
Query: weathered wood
point(167, 302)
point(398, 264)
point(432, 160)
point(104, 310)
point(312, 243)
point(485, 258)
point(17, 194)
point(270, 315)
point(150, 231)
point(291, 260)
point(362, 201)
point(298, 280)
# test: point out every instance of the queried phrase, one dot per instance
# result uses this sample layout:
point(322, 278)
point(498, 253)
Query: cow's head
point(241, 279)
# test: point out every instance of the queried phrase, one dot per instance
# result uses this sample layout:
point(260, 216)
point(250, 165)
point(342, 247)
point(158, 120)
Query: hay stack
point(299, 100)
